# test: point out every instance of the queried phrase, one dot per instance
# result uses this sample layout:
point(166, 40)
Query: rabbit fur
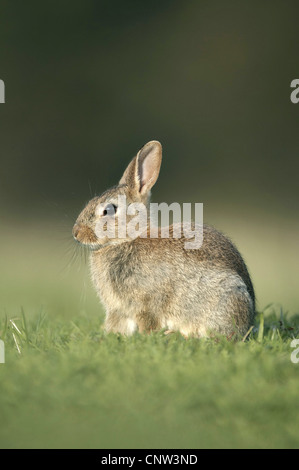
point(147, 284)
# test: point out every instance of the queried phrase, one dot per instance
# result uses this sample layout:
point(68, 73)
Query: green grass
point(67, 384)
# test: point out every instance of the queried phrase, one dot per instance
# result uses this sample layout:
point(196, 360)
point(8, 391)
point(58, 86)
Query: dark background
point(89, 82)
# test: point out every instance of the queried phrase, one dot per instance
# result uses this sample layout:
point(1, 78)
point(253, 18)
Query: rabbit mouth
point(85, 236)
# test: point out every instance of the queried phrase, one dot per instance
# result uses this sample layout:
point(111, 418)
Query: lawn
point(65, 383)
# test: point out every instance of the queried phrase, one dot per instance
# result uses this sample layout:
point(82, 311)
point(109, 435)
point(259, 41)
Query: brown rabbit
point(148, 283)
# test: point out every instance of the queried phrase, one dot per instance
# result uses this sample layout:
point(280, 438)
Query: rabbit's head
point(105, 218)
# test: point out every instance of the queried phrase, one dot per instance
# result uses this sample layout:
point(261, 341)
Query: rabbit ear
point(143, 171)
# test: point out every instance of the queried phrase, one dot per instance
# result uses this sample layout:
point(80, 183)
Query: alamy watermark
point(295, 93)
point(295, 353)
point(2, 352)
point(118, 220)
point(2, 91)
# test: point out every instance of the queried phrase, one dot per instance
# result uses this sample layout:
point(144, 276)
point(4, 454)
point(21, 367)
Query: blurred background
point(88, 83)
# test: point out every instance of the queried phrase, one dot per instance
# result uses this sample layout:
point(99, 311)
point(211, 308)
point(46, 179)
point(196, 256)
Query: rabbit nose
point(76, 230)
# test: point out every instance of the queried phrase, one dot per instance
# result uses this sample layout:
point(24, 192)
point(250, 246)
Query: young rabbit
point(148, 283)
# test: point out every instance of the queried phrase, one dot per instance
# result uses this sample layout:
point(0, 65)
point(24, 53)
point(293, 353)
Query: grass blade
point(247, 334)
point(15, 327)
point(261, 329)
point(25, 325)
point(16, 343)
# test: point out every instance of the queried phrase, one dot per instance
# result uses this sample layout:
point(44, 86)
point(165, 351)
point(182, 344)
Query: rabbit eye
point(110, 209)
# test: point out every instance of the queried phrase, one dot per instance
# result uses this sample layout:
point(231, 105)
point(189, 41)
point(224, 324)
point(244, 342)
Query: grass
point(65, 384)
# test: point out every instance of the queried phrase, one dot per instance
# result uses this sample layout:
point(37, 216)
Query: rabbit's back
point(158, 283)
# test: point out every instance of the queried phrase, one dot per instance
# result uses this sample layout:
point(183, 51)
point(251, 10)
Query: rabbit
point(148, 284)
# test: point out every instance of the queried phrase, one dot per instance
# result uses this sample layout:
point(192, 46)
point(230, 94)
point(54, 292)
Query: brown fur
point(147, 284)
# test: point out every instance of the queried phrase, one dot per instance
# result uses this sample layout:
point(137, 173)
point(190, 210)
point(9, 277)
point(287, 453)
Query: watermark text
point(118, 219)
